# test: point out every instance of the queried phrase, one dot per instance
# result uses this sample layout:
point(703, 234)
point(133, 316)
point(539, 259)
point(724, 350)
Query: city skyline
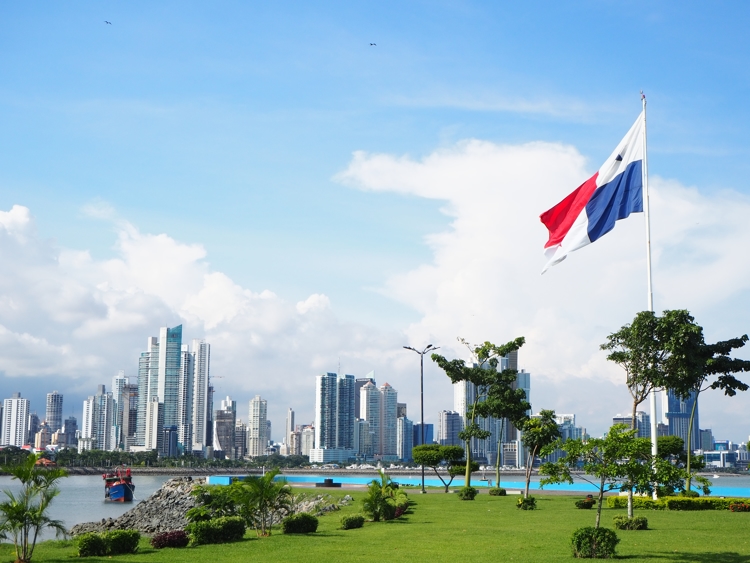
point(303, 209)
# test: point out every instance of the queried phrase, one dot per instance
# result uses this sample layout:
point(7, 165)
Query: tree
point(435, 456)
point(619, 460)
point(504, 401)
point(538, 433)
point(712, 367)
point(25, 514)
point(482, 374)
point(263, 501)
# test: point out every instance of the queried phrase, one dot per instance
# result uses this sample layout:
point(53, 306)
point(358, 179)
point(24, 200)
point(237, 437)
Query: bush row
point(677, 503)
point(351, 522)
point(497, 492)
point(217, 530)
point(634, 523)
point(116, 542)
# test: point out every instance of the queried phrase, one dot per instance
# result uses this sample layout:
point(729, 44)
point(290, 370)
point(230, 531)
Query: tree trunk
point(467, 478)
point(601, 500)
point(689, 445)
point(529, 466)
point(499, 458)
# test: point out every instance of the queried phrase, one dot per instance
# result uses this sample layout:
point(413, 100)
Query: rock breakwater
point(161, 512)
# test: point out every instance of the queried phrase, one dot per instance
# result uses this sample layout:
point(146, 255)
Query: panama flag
point(611, 194)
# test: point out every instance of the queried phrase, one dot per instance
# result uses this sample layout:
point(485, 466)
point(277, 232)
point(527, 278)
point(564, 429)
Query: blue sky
point(229, 125)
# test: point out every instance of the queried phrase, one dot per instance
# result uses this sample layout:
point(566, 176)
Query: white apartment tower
point(257, 427)
point(15, 427)
point(201, 407)
point(289, 428)
point(334, 418)
point(54, 414)
point(379, 406)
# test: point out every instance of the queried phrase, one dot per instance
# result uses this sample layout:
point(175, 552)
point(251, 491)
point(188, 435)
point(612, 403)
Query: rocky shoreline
point(166, 509)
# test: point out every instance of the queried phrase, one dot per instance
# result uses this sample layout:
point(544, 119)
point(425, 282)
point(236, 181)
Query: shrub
point(739, 507)
point(687, 503)
point(119, 542)
point(689, 494)
point(351, 522)
point(635, 523)
point(302, 523)
point(91, 544)
point(217, 530)
point(594, 543)
point(467, 493)
point(638, 502)
point(585, 503)
point(528, 503)
point(175, 538)
point(497, 492)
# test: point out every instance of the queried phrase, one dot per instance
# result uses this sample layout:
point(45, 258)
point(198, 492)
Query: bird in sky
point(373, 45)
point(108, 23)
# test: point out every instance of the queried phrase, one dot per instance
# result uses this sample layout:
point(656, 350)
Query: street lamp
point(428, 348)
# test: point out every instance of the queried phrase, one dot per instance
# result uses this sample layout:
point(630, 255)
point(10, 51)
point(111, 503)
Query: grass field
point(441, 528)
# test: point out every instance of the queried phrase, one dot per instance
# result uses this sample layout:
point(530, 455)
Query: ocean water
point(81, 498)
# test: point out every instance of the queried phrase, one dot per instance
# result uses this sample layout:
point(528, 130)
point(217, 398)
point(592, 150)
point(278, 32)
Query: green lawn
point(442, 528)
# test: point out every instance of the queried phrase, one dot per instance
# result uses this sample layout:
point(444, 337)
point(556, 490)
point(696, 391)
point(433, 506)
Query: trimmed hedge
point(216, 530)
point(634, 523)
point(526, 503)
point(739, 507)
point(677, 503)
point(351, 522)
point(175, 538)
point(594, 543)
point(302, 523)
point(120, 542)
point(497, 492)
point(115, 542)
point(467, 493)
point(91, 544)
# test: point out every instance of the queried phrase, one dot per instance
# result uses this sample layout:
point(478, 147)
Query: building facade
point(15, 428)
point(257, 427)
point(54, 413)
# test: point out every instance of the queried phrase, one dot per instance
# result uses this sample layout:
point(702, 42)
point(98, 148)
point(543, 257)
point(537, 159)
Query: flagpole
point(646, 211)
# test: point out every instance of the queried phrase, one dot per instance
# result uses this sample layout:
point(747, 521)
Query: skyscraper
point(185, 401)
point(371, 405)
point(334, 418)
point(15, 421)
point(642, 420)
point(257, 427)
point(450, 423)
point(429, 436)
point(129, 416)
point(358, 384)
point(404, 438)
point(388, 422)
point(98, 421)
point(119, 382)
point(54, 415)
point(289, 428)
point(225, 420)
point(201, 404)
point(676, 414)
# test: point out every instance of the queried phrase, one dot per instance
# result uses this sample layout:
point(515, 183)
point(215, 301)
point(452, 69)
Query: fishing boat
point(118, 486)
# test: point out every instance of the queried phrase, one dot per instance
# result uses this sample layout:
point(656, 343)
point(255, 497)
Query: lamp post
point(428, 348)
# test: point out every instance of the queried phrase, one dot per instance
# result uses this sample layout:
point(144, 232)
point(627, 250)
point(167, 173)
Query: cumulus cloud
point(484, 280)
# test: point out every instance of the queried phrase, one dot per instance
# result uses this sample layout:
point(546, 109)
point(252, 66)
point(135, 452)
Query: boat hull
point(121, 492)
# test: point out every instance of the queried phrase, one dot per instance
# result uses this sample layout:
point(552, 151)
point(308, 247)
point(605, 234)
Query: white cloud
point(484, 280)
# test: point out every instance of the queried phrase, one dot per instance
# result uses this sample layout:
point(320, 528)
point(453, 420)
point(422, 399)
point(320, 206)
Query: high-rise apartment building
point(429, 434)
point(358, 384)
point(54, 414)
point(400, 410)
point(257, 427)
point(129, 421)
point(119, 382)
point(179, 378)
point(241, 440)
point(371, 405)
point(450, 423)
point(404, 438)
point(307, 440)
point(154, 427)
point(202, 405)
point(642, 420)
point(34, 424)
point(15, 421)
point(334, 418)
point(379, 407)
point(98, 421)
point(225, 422)
point(676, 414)
point(289, 429)
point(185, 400)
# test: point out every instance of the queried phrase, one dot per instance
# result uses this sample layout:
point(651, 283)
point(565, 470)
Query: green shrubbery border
point(114, 542)
point(676, 503)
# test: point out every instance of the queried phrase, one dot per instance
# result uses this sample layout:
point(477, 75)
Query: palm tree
point(24, 515)
point(264, 501)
